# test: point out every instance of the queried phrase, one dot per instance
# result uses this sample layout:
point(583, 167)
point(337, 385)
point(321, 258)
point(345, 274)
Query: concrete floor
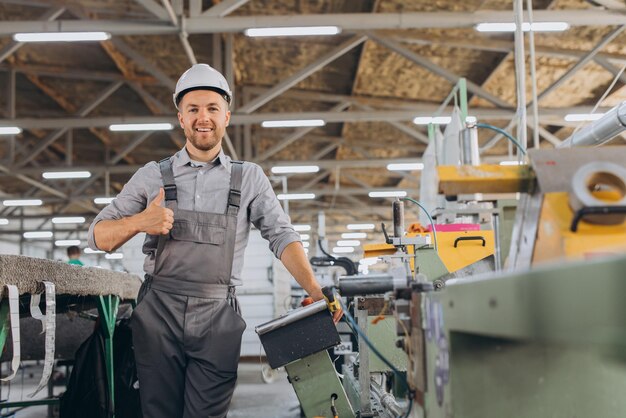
point(252, 398)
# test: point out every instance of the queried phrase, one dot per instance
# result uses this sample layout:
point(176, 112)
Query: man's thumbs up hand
point(156, 220)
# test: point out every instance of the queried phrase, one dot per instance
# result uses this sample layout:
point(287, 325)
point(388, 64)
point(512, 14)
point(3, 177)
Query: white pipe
point(533, 74)
point(520, 73)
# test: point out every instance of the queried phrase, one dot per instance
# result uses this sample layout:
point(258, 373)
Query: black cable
point(359, 331)
point(319, 243)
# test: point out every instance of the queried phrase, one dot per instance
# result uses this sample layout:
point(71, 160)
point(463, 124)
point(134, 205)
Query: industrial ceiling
point(394, 60)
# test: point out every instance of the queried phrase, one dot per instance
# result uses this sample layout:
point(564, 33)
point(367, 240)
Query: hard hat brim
point(219, 91)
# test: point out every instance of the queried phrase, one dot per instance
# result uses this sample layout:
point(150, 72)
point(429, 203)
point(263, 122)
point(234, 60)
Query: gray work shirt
point(204, 188)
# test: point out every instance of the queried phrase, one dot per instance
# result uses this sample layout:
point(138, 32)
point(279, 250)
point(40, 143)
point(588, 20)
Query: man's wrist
point(317, 294)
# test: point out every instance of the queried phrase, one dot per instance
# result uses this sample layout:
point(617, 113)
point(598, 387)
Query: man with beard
point(196, 208)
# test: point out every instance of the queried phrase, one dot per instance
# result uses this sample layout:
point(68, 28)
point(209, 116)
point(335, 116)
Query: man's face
point(204, 116)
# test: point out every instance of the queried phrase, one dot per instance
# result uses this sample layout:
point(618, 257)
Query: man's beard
point(203, 145)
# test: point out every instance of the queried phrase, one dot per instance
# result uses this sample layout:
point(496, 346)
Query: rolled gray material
point(372, 284)
point(398, 218)
point(291, 317)
point(603, 130)
point(27, 272)
point(591, 176)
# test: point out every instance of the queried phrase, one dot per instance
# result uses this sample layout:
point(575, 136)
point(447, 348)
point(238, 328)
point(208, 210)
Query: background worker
point(196, 208)
point(73, 255)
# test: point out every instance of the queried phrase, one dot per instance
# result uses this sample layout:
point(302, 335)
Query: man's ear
point(180, 120)
point(227, 117)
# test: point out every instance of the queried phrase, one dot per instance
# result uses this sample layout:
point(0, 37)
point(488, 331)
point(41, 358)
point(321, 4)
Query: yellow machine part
point(454, 258)
point(555, 241)
point(486, 178)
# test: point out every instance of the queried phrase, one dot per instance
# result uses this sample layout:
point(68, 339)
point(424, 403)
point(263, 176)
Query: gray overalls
point(187, 328)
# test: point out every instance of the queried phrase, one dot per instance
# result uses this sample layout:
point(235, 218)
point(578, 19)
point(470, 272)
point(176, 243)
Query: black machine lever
point(387, 239)
point(470, 238)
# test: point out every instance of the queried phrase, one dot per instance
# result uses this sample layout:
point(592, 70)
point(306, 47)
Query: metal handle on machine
point(594, 210)
point(472, 238)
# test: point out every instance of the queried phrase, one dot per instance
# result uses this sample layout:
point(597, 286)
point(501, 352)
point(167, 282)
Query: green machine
point(547, 342)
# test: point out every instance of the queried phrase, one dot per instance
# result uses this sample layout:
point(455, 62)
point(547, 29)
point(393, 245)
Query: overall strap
point(234, 194)
point(171, 195)
point(169, 185)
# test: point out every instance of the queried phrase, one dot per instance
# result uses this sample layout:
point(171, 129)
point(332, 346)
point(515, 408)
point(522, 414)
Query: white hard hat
point(201, 77)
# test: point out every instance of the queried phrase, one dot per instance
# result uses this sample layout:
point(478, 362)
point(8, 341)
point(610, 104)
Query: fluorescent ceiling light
point(293, 31)
point(66, 242)
point(114, 256)
point(90, 251)
point(38, 234)
point(438, 120)
point(390, 193)
point(61, 36)
point(68, 220)
point(296, 196)
point(357, 227)
point(10, 130)
point(583, 117)
point(103, 200)
point(306, 244)
point(295, 169)
point(338, 250)
point(511, 163)
point(510, 27)
point(4, 221)
point(22, 202)
point(348, 243)
point(305, 237)
point(66, 175)
point(471, 119)
point(302, 228)
point(129, 127)
point(405, 166)
point(306, 250)
point(354, 235)
point(292, 123)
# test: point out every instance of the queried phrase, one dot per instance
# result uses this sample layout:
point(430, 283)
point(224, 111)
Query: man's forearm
point(294, 259)
point(109, 235)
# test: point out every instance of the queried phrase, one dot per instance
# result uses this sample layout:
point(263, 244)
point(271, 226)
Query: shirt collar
point(182, 158)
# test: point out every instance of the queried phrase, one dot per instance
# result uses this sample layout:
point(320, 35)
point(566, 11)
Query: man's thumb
point(159, 199)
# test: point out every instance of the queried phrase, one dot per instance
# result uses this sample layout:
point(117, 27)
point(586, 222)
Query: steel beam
point(413, 133)
point(505, 47)
point(144, 63)
point(315, 180)
point(302, 74)
point(569, 73)
point(118, 157)
point(13, 46)
point(604, 63)
point(224, 8)
point(10, 103)
point(290, 139)
point(347, 21)
point(155, 8)
point(84, 111)
point(553, 116)
point(440, 71)
point(326, 150)
point(582, 62)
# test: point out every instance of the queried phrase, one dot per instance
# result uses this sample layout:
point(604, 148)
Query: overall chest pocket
point(184, 230)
